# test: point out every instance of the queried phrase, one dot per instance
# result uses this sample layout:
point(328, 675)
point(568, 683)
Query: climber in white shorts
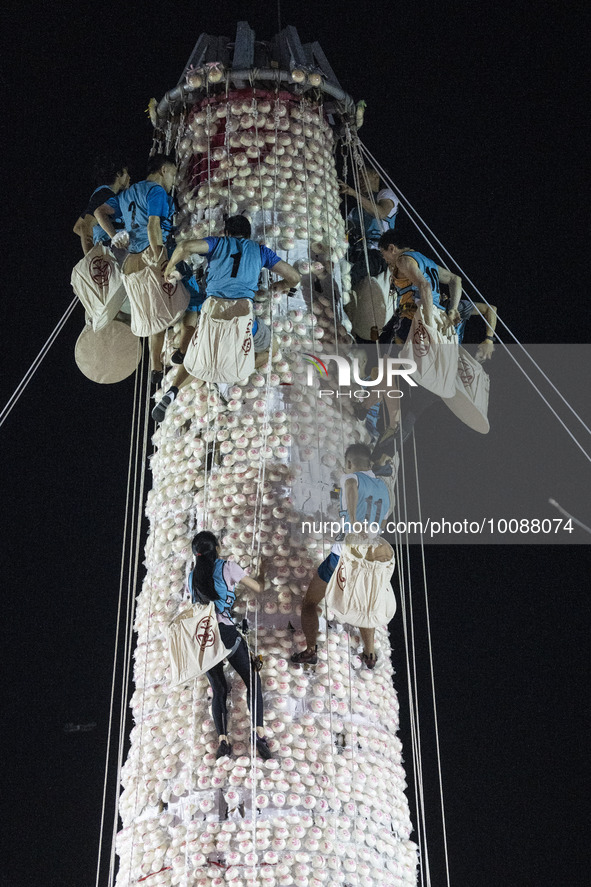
point(234, 267)
point(366, 497)
point(235, 264)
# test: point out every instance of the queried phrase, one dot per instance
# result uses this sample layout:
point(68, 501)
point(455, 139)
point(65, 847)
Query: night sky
point(477, 112)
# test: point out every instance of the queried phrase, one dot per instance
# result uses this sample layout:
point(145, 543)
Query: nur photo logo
point(389, 370)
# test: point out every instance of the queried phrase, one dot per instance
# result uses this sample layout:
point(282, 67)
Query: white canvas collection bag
point(470, 402)
point(359, 590)
point(109, 354)
point(435, 353)
point(155, 302)
point(97, 281)
point(373, 304)
point(222, 348)
point(194, 643)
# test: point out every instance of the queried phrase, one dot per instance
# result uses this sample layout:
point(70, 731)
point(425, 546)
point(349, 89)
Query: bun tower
point(257, 128)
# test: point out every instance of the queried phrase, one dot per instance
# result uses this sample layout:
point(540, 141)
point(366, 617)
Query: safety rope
point(412, 647)
point(13, 399)
point(129, 531)
point(329, 264)
point(431, 668)
point(255, 114)
point(408, 206)
point(583, 526)
point(358, 166)
point(136, 521)
point(405, 581)
point(336, 315)
point(126, 525)
point(255, 537)
point(228, 158)
point(208, 134)
point(330, 271)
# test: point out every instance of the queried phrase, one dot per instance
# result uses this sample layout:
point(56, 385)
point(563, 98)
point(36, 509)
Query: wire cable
point(431, 668)
point(118, 623)
point(14, 398)
point(555, 504)
point(408, 206)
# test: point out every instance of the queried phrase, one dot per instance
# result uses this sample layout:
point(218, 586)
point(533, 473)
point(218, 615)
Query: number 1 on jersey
point(236, 257)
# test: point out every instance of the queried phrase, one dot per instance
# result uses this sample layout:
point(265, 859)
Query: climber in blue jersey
point(379, 208)
point(417, 278)
point(214, 579)
point(147, 210)
point(364, 500)
point(235, 262)
point(113, 176)
point(234, 266)
point(375, 211)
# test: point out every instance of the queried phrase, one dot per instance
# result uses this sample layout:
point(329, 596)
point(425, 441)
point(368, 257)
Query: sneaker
point(156, 378)
point(178, 357)
point(159, 410)
point(263, 749)
point(383, 470)
point(306, 657)
point(370, 660)
point(224, 750)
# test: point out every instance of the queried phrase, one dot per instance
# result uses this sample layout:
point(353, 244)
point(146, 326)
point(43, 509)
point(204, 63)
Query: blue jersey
point(136, 205)
point(465, 309)
point(100, 195)
point(429, 272)
point(372, 418)
point(225, 595)
point(373, 228)
point(235, 265)
point(99, 235)
point(373, 499)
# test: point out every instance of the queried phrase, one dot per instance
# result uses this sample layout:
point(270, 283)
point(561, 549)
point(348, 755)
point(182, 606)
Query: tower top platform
point(284, 62)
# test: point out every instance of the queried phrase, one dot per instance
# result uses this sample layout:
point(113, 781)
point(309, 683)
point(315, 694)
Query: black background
point(477, 111)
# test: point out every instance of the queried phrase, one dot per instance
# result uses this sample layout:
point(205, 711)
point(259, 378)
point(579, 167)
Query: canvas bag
point(470, 402)
point(222, 349)
point(96, 280)
point(374, 304)
point(109, 355)
point(194, 643)
point(434, 352)
point(155, 303)
point(359, 590)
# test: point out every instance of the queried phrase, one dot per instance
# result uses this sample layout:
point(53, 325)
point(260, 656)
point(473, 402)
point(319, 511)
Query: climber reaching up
point(113, 177)
point(215, 579)
point(365, 500)
point(234, 266)
point(147, 210)
point(375, 211)
point(235, 262)
point(417, 279)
